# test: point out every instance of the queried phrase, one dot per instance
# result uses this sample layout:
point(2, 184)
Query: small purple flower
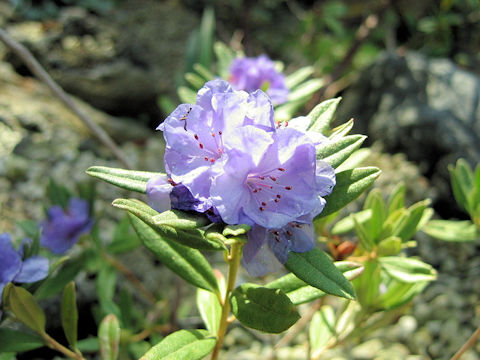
point(198, 135)
point(61, 229)
point(250, 74)
point(14, 269)
point(274, 184)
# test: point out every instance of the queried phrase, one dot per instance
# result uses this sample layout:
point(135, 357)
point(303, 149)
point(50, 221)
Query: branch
point(470, 343)
point(34, 66)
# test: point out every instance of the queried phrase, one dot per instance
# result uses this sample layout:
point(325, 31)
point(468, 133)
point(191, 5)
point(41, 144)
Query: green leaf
point(305, 89)
point(109, 337)
point(354, 160)
point(193, 79)
point(316, 269)
point(182, 345)
point(389, 246)
point(18, 341)
point(322, 115)
point(299, 76)
point(451, 230)
point(367, 285)
point(187, 95)
point(299, 292)
point(210, 310)
point(462, 179)
point(375, 202)
point(336, 152)
point(399, 293)
point(90, 344)
point(125, 179)
point(264, 309)
point(188, 263)
point(347, 224)
point(364, 238)
point(105, 284)
point(25, 308)
point(322, 328)
point(62, 276)
point(411, 224)
point(342, 130)
point(204, 72)
point(180, 220)
point(58, 195)
point(407, 270)
point(205, 37)
point(397, 198)
point(70, 314)
point(350, 185)
point(235, 230)
point(194, 238)
point(225, 57)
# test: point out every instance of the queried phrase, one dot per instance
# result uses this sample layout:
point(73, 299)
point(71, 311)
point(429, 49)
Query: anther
point(279, 196)
point(264, 203)
point(277, 239)
point(289, 233)
point(261, 208)
point(273, 178)
point(201, 145)
point(195, 136)
point(276, 200)
point(206, 158)
point(220, 132)
point(281, 169)
point(212, 160)
point(255, 190)
point(261, 177)
point(213, 134)
point(288, 188)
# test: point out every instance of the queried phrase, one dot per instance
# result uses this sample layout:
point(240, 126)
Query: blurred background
point(408, 72)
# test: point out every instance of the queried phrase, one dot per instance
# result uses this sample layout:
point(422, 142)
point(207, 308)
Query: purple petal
point(325, 178)
point(10, 261)
point(302, 239)
point(206, 93)
point(158, 193)
point(33, 269)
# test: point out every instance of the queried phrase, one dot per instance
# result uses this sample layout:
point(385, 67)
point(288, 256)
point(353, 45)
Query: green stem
point(52, 343)
point(233, 264)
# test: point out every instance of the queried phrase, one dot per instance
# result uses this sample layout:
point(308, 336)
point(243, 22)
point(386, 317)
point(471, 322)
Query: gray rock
point(428, 109)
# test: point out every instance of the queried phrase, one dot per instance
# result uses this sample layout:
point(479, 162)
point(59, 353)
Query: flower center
point(267, 188)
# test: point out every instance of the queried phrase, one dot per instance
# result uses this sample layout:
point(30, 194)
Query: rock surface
point(428, 109)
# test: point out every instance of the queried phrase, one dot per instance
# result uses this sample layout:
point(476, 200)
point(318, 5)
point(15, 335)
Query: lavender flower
point(14, 269)
point(198, 135)
point(61, 229)
point(273, 185)
point(250, 74)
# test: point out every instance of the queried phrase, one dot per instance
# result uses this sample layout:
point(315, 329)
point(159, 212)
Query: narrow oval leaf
point(342, 130)
point(299, 292)
point(194, 238)
point(305, 89)
point(407, 270)
point(451, 230)
point(187, 95)
point(322, 328)
point(316, 269)
point(322, 115)
point(264, 309)
point(298, 76)
point(70, 314)
point(350, 185)
point(210, 310)
point(336, 152)
point(389, 246)
point(188, 263)
point(347, 224)
point(399, 293)
point(17, 341)
point(182, 345)
point(26, 309)
point(125, 179)
point(354, 160)
point(180, 220)
point(109, 337)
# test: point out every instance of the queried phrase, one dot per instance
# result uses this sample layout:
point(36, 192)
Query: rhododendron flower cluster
point(226, 157)
point(250, 74)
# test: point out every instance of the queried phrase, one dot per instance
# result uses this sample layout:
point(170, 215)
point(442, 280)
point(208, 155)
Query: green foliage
point(125, 179)
point(316, 269)
point(109, 338)
point(182, 345)
point(70, 314)
point(264, 309)
point(18, 341)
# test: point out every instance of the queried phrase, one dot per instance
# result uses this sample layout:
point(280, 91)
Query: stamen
point(264, 203)
point(288, 188)
point(220, 132)
point(213, 134)
point(261, 208)
point(276, 200)
point(281, 169)
point(201, 145)
point(273, 178)
point(212, 160)
point(261, 177)
point(277, 239)
point(173, 183)
point(279, 196)
point(195, 136)
point(206, 158)
point(289, 233)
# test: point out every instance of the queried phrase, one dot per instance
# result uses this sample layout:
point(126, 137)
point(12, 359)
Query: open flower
point(198, 135)
point(61, 229)
point(250, 74)
point(14, 269)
